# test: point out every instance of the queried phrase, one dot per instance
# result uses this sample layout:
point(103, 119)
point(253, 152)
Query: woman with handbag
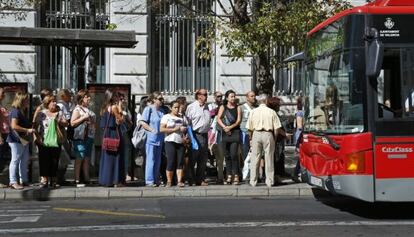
point(83, 123)
point(18, 139)
point(229, 118)
point(49, 122)
point(112, 163)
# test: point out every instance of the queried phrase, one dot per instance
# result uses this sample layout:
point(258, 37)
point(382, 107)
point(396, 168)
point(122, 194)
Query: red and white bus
point(359, 103)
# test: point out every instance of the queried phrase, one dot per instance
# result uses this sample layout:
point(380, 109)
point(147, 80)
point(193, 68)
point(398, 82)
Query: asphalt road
point(206, 217)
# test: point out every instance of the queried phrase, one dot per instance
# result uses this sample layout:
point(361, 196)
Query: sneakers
point(79, 184)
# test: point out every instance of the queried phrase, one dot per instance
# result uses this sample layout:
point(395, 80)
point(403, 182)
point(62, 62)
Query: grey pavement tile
point(125, 192)
point(158, 192)
point(190, 192)
point(68, 193)
point(281, 191)
point(220, 192)
point(253, 191)
point(305, 192)
point(15, 194)
point(92, 193)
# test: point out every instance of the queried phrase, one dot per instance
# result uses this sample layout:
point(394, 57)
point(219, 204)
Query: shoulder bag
point(108, 143)
point(139, 136)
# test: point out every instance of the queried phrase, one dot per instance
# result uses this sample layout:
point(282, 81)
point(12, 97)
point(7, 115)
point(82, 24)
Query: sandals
point(181, 184)
point(168, 185)
point(228, 180)
point(16, 186)
point(236, 180)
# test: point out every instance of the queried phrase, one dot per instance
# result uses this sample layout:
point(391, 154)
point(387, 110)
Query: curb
point(295, 190)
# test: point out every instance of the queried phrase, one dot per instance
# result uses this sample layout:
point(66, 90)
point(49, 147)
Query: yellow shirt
point(263, 118)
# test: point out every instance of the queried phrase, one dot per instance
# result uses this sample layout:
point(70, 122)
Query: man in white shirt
point(199, 117)
point(246, 108)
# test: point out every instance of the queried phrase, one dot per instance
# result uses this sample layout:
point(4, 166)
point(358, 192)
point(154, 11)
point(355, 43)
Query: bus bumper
point(357, 186)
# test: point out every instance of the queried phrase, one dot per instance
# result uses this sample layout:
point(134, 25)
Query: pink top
point(4, 121)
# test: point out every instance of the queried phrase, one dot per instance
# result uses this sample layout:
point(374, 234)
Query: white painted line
point(28, 207)
point(21, 219)
point(1, 215)
point(204, 226)
point(24, 210)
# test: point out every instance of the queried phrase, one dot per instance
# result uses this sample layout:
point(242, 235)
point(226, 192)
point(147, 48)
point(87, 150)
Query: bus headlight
point(355, 162)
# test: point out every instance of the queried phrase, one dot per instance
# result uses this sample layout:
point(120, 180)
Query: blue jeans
point(19, 162)
point(153, 162)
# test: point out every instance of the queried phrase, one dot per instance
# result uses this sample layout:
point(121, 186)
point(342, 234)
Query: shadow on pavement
point(36, 194)
point(378, 210)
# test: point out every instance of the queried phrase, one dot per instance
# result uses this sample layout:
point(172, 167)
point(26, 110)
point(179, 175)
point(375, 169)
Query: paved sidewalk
point(244, 190)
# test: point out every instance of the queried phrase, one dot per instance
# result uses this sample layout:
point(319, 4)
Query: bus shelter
point(71, 39)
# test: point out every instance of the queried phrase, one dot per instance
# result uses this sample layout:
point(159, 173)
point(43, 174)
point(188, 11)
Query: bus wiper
point(331, 142)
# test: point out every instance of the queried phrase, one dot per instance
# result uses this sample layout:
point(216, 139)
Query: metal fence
point(58, 64)
point(176, 28)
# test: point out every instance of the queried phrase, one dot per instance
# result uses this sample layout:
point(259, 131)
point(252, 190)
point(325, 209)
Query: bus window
point(334, 94)
point(395, 85)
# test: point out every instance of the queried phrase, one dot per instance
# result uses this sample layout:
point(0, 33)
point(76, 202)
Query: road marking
point(24, 219)
point(14, 206)
point(101, 212)
point(204, 226)
point(24, 210)
point(2, 215)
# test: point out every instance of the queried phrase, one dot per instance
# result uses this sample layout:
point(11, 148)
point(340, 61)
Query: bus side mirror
point(375, 54)
point(295, 58)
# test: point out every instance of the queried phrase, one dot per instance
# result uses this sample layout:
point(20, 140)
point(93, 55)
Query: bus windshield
point(334, 94)
point(334, 85)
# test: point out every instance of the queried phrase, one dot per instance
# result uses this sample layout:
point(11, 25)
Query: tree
point(267, 24)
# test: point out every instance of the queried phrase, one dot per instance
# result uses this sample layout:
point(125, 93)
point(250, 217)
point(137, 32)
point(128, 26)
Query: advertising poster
point(10, 90)
point(97, 92)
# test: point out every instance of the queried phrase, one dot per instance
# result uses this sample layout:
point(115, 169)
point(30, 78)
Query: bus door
point(394, 127)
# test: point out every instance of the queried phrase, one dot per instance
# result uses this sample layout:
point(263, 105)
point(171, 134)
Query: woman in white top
point(83, 122)
point(174, 127)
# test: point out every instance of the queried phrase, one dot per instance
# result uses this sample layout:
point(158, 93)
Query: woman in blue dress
point(112, 163)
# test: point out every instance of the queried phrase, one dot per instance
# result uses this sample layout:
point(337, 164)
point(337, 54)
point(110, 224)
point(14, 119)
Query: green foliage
point(111, 26)
point(271, 25)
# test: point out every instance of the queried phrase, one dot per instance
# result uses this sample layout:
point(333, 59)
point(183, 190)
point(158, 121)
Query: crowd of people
point(181, 139)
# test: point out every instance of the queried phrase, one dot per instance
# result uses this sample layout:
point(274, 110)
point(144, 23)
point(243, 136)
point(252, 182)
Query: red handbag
point(108, 143)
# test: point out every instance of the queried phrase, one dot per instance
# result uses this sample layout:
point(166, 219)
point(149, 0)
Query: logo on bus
point(396, 149)
point(389, 23)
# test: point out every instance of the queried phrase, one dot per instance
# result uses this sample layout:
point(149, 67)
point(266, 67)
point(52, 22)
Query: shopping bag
point(194, 144)
point(246, 167)
point(51, 137)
